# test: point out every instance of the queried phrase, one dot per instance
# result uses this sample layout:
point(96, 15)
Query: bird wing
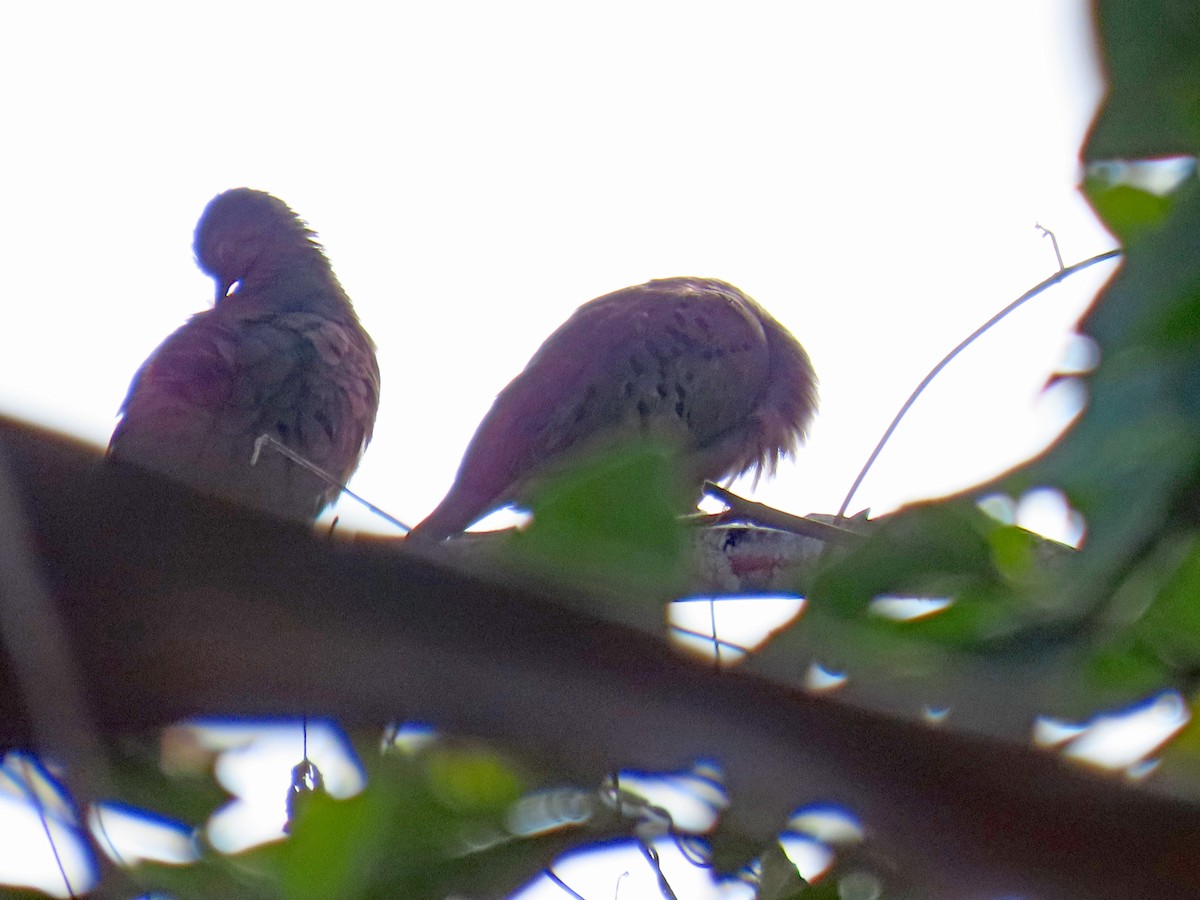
point(198, 403)
point(684, 358)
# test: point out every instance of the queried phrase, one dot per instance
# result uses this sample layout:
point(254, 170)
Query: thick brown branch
point(178, 606)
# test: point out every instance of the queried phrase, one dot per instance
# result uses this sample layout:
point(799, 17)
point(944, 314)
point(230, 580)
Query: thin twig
point(651, 855)
point(688, 849)
point(933, 373)
point(266, 440)
point(562, 884)
point(1046, 232)
point(35, 798)
point(717, 642)
point(712, 621)
point(769, 517)
point(112, 850)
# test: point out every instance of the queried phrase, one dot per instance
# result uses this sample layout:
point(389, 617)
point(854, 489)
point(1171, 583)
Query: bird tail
point(790, 402)
point(452, 516)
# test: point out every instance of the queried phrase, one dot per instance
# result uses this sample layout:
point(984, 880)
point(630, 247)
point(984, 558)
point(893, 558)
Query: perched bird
point(280, 353)
point(690, 360)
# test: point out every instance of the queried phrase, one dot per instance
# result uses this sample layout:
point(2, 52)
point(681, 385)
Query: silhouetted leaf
point(1128, 211)
point(779, 878)
point(408, 834)
point(1151, 50)
point(932, 550)
point(611, 524)
point(1128, 667)
point(140, 782)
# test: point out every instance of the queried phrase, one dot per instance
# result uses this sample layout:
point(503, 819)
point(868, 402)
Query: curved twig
point(966, 342)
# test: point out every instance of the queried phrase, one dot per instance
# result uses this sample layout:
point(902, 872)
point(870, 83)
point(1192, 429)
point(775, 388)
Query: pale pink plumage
point(691, 360)
point(281, 353)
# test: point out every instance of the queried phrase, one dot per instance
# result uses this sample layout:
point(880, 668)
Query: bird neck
point(300, 280)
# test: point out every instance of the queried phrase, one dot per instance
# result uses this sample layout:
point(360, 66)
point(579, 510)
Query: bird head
point(242, 231)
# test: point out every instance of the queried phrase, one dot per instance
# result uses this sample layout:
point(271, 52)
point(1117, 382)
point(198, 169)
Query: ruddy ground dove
point(691, 361)
point(281, 353)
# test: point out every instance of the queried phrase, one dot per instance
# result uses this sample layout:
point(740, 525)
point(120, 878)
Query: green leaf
point(214, 875)
point(405, 835)
point(1152, 54)
point(1128, 669)
point(1159, 281)
point(1182, 754)
point(331, 845)
point(1014, 551)
point(1128, 211)
point(140, 782)
point(975, 617)
point(1170, 627)
point(779, 878)
point(1132, 457)
point(611, 525)
point(470, 781)
point(930, 550)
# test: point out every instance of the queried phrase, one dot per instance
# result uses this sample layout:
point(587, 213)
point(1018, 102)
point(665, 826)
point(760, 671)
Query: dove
point(691, 360)
point(281, 353)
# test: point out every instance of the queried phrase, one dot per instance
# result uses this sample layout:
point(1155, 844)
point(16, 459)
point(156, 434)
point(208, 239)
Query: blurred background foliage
point(1119, 618)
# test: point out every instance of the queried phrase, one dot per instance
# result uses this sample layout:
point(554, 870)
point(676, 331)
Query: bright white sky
point(869, 171)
